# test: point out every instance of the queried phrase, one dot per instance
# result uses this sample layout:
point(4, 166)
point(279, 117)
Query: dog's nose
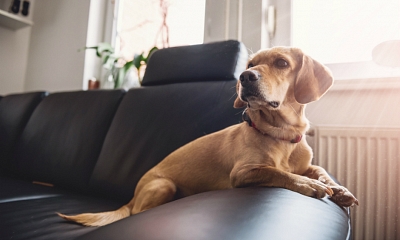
point(249, 76)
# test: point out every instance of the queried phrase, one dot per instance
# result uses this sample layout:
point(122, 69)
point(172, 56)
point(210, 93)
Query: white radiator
point(366, 160)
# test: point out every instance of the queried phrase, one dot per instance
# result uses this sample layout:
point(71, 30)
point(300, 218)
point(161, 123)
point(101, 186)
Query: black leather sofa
point(84, 151)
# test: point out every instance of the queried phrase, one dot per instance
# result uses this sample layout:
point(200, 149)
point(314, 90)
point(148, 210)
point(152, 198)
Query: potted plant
point(117, 67)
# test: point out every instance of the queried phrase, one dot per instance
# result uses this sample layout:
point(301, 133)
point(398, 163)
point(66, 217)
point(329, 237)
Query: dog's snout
point(249, 76)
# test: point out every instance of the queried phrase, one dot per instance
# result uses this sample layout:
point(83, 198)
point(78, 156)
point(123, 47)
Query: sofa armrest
point(246, 213)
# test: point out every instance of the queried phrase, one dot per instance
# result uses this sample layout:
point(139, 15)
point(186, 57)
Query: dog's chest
point(276, 154)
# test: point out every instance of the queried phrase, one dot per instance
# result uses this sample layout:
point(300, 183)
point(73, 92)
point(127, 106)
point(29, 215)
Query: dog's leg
point(342, 196)
point(265, 176)
point(154, 193)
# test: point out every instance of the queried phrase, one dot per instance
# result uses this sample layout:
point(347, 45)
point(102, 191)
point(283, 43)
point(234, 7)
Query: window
point(162, 23)
point(342, 31)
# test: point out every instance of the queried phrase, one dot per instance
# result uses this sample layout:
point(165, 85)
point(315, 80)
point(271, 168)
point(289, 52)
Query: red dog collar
point(247, 119)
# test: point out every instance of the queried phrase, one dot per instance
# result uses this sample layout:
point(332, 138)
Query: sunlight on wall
point(344, 31)
point(141, 26)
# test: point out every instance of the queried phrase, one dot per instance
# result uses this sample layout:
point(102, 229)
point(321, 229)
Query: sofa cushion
point(15, 111)
point(28, 211)
point(151, 122)
point(218, 61)
point(63, 138)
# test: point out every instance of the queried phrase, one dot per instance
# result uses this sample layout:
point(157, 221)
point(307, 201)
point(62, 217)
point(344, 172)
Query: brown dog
point(267, 150)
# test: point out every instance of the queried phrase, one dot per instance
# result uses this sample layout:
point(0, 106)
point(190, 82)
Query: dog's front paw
point(312, 188)
point(343, 197)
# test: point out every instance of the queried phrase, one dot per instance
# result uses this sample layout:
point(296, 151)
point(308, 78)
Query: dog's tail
point(99, 219)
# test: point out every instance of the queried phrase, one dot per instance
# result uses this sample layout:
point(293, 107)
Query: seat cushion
point(28, 211)
point(63, 138)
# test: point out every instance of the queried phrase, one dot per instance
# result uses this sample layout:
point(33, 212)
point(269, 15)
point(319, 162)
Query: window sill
point(367, 84)
point(364, 75)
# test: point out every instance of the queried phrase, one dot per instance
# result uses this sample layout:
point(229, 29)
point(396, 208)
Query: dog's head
point(280, 74)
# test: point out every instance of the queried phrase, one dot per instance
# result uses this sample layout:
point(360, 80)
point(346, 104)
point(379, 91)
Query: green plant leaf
point(122, 74)
point(149, 55)
point(110, 61)
point(137, 60)
point(128, 65)
point(119, 79)
point(104, 58)
point(95, 48)
point(104, 47)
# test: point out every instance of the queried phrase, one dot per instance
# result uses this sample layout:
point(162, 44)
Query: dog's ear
point(313, 81)
point(238, 102)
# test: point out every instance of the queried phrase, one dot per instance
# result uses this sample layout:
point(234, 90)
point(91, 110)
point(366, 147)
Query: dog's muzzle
point(249, 77)
point(249, 80)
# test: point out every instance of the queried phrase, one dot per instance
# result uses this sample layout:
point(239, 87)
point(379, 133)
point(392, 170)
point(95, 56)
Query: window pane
point(344, 30)
point(141, 24)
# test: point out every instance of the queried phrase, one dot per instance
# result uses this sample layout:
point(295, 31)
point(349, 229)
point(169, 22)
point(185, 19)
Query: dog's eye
point(250, 65)
point(281, 63)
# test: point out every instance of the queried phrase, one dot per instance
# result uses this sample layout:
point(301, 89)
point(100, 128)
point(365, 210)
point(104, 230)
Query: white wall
point(54, 63)
point(14, 46)
point(13, 57)
point(45, 56)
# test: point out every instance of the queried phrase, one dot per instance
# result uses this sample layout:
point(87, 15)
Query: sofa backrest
point(171, 110)
point(15, 111)
point(218, 61)
point(63, 137)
